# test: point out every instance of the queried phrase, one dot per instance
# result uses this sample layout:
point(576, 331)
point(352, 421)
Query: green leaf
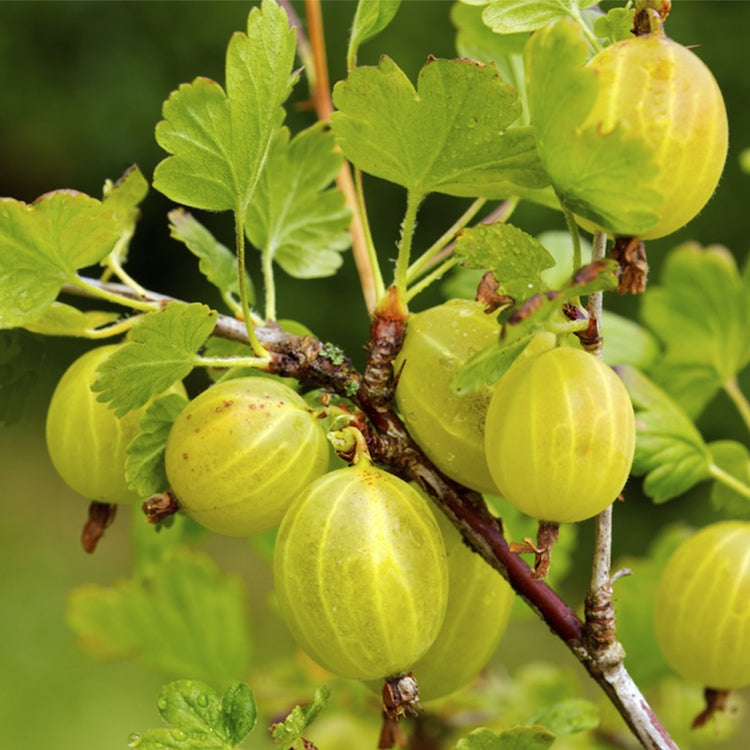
point(570, 716)
point(188, 618)
point(287, 732)
point(42, 245)
point(476, 41)
point(371, 17)
point(515, 257)
point(144, 467)
point(559, 244)
point(701, 313)
point(296, 217)
point(669, 449)
point(160, 351)
point(60, 319)
point(219, 141)
point(198, 718)
point(733, 458)
point(452, 135)
point(518, 738)
point(561, 93)
point(154, 543)
point(634, 599)
point(514, 16)
point(21, 360)
point(524, 321)
point(124, 196)
point(627, 343)
point(616, 26)
point(239, 714)
point(216, 262)
point(491, 363)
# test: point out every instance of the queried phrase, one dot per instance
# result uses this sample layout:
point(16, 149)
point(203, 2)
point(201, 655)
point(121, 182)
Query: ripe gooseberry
point(480, 602)
point(449, 428)
point(663, 93)
point(702, 610)
point(86, 440)
point(240, 452)
point(560, 435)
point(360, 572)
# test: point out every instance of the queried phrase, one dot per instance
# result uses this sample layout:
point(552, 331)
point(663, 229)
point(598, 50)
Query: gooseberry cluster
point(370, 584)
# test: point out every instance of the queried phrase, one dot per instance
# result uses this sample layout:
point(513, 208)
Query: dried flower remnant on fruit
point(100, 517)
point(159, 507)
point(400, 697)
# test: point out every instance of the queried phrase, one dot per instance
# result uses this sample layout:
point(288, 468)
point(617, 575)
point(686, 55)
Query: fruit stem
point(427, 258)
point(575, 234)
point(109, 292)
point(733, 390)
point(424, 282)
point(727, 479)
point(239, 235)
point(408, 225)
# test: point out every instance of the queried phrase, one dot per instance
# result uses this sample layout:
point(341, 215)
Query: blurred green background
point(81, 87)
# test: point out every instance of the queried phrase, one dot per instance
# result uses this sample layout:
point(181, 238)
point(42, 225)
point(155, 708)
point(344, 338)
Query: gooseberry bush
point(414, 508)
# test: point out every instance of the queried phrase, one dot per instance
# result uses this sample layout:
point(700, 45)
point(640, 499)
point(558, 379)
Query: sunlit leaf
point(475, 40)
point(60, 319)
point(216, 261)
point(516, 258)
point(160, 351)
point(296, 217)
point(291, 729)
point(514, 16)
point(43, 244)
point(199, 719)
point(144, 467)
point(490, 363)
point(616, 25)
point(371, 17)
point(219, 140)
point(451, 135)
point(669, 450)
point(124, 196)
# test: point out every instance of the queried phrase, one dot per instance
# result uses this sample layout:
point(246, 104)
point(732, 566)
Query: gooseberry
point(480, 602)
point(86, 441)
point(702, 610)
point(240, 452)
point(449, 428)
point(663, 93)
point(560, 435)
point(360, 572)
